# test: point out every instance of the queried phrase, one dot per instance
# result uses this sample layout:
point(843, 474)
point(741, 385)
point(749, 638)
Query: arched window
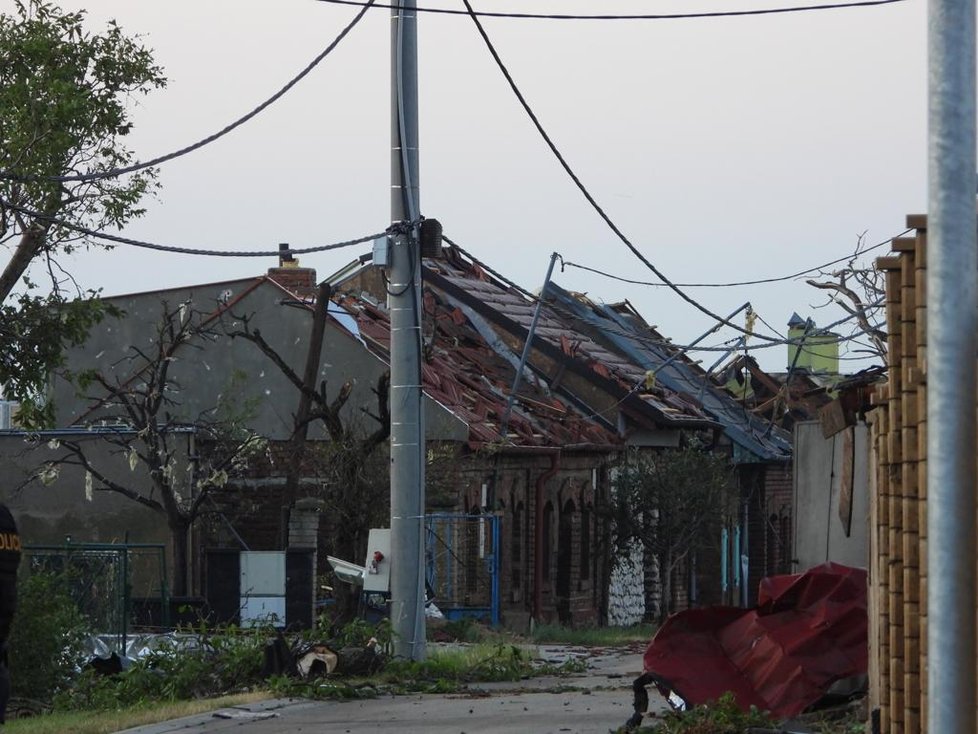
point(516, 546)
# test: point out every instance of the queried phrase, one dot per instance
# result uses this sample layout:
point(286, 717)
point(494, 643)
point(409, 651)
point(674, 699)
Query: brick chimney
point(288, 274)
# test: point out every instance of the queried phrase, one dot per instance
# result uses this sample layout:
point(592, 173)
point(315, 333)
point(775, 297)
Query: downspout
point(538, 534)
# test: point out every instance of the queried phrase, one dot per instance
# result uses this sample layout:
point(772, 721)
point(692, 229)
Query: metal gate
point(462, 564)
point(116, 586)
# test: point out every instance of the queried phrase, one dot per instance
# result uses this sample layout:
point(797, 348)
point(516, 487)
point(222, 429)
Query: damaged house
point(760, 450)
point(520, 476)
point(599, 357)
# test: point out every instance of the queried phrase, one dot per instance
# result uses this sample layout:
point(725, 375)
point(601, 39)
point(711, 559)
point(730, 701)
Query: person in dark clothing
point(9, 561)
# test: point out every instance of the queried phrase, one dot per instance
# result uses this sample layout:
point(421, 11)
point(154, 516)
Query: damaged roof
point(574, 393)
point(466, 374)
point(627, 333)
point(465, 280)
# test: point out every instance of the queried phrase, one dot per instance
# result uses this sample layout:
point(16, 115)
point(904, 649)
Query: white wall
point(819, 534)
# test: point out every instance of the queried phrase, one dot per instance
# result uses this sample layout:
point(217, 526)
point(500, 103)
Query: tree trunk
point(346, 595)
point(180, 535)
point(31, 242)
point(665, 578)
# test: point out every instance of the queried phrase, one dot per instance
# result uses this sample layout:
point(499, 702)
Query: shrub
point(207, 663)
point(46, 646)
point(722, 716)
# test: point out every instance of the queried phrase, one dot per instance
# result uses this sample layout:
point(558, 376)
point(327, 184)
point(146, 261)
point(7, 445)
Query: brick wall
point(779, 492)
point(301, 281)
point(574, 582)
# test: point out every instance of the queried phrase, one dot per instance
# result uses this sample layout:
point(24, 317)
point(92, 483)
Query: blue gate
point(462, 565)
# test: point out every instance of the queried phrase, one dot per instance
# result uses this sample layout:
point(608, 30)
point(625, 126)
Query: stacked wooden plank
point(898, 523)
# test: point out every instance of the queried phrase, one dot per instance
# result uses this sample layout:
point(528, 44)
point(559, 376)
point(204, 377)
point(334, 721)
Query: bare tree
point(860, 291)
point(348, 472)
point(143, 402)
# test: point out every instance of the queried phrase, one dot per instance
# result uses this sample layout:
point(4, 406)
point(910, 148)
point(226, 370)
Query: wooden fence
point(898, 510)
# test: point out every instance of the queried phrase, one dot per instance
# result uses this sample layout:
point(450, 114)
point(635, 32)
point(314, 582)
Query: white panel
point(378, 540)
point(262, 573)
point(262, 610)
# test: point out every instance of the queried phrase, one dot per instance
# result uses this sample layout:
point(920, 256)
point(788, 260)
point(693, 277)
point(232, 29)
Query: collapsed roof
point(586, 381)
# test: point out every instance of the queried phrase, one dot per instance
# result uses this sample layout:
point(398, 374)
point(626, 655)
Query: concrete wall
point(201, 373)
point(48, 513)
point(220, 366)
point(235, 369)
point(819, 535)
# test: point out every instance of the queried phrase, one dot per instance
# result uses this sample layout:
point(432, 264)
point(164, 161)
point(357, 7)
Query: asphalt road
point(594, 702)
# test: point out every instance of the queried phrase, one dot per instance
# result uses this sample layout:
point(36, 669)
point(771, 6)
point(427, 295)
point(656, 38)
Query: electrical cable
point(633, 16)
point(663, 342)
point(760, 281)
point(494, 273)
point(188, 250)
point(121, 171)
point(761, 319)
point(587, 194)
point(407, 195)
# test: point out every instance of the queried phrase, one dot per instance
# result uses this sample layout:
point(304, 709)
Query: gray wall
point(819, 534)
point(201, 372)
point(204, 371)
point(49, 513)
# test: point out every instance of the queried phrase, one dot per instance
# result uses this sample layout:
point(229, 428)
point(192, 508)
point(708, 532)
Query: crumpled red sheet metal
point(808, 631)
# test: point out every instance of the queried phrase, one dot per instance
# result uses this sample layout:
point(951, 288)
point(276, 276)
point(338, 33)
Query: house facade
point(532, 468)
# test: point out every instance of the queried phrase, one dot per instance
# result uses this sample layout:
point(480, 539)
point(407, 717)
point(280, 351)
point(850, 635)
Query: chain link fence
point(120, 588)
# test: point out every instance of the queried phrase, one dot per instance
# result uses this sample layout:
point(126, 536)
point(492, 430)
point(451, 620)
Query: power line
point(631, 16)
point(587, 194)
point(760, 281)
point(114, 172)
point(663, 341)
point(188, 250)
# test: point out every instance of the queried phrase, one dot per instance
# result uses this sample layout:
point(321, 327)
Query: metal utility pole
point(952, 321)
point(404, 300)
point(504, 424)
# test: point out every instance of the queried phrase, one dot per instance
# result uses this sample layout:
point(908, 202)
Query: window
point(585, 543)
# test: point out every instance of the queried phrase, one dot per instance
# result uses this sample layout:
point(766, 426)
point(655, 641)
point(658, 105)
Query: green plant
point(360, 632)
point(593, 636)
point(461, 630)
point(722, 716)
point(499, 662)
point(205, 663)
point(669, 502)
point(65, 102)
point(46, 646)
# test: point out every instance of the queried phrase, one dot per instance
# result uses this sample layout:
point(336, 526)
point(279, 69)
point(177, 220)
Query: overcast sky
point(726, 149)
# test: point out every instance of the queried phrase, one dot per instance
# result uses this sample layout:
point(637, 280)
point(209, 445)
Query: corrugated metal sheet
point(808, 631)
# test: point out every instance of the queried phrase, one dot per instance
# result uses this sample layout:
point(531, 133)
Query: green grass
point(106, 722)
point(466, 663)
point(593, 636)
point(445, 670)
